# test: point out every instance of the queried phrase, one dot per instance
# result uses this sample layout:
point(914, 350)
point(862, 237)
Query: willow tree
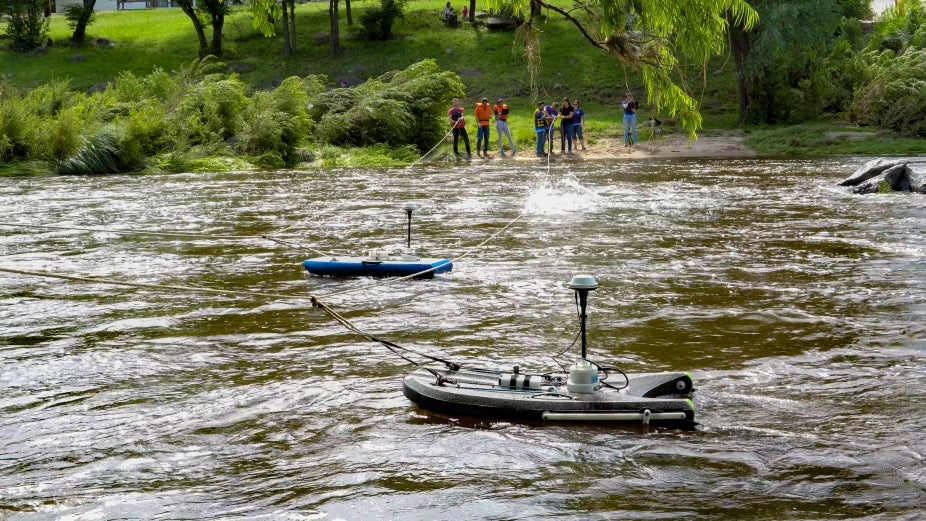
point(657, 39)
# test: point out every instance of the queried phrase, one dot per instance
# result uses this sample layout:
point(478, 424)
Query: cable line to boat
point(175, 233)
point(127, 231)
point(315, 303)
point(439, 143)
point(394, 280)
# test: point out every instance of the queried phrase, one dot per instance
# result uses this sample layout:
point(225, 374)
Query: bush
point(396, 108)
point(17, 124)
point(377, 21)
point(27, 26)
point(894, 95)
point(209, 112)
point(278, 123)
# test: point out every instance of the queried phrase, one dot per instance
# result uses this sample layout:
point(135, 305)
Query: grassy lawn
point(490, 63)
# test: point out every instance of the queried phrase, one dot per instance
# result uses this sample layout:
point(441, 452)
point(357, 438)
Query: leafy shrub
point(27, 26)
point(396, 108)
point(52, 97)
point(894, 95)
point(377, 22)
point(144, 130)
point(210, 111)
point(278, 122)
point(17, 125)
point(62, 135)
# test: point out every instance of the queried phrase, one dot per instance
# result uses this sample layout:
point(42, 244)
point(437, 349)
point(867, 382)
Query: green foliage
point(377, 21)
point(902, 26)
point(62, 134)
point(654, 37)
point(27, 26)
point(52, 97)
point(278, 123)
point(210, 111)
point(828, 140)
point(17, 128)
point(145, 132)
point(101, 154)
point(894, 95)
point(396, 108)
point(157, 85)
point(77, 14)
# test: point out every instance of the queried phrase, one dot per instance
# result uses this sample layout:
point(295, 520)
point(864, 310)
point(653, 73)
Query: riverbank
point(659, 147)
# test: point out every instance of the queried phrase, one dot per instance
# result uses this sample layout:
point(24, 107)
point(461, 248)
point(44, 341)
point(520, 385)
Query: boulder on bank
point(880, 175)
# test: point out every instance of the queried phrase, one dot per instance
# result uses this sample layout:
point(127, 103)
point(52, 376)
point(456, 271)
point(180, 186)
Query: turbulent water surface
point(797, 307)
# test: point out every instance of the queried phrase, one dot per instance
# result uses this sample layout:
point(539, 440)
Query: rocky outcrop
point(880, 175)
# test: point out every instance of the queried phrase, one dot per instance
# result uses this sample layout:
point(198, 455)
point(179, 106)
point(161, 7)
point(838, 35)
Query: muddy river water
point(798, 308)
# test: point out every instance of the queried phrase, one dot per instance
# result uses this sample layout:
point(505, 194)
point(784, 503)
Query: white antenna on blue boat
point(409, 208)
point(583, 376)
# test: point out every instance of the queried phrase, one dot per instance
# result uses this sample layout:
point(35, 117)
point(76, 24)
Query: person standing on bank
point(483, 115)
point(458, 126)
point(552, 113)
point(630, 120)
point(565, 126)
point(578, 119)
point(501, 126)
point(540, 126)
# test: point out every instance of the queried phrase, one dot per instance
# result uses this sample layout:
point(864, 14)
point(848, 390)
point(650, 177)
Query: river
point(798, 308)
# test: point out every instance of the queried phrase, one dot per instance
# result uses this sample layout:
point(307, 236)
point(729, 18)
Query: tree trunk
point(739, 48)
point(535, 9)
point(289, 27)
point(292, 24)
point(218, 22)
point(472, 11)
point(335, 31)
point(187, 7)
point(80, 28)
point(350, 18)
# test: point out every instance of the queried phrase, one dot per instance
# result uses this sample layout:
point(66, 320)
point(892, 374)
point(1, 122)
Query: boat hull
point(363, 267)
point(662, 398)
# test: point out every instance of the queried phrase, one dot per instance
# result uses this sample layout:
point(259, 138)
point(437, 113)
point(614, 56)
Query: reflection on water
point(797, 307)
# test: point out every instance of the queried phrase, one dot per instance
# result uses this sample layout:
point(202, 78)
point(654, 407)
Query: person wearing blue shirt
point(578, 119)
point(630, 120)
point(552, 112)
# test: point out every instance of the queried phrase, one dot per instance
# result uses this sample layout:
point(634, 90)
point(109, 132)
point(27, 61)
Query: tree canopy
point(657, 38)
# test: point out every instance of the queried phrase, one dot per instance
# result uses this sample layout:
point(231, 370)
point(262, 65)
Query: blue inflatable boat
point(378, 264)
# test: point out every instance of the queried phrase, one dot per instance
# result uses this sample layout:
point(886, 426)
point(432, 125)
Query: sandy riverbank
point(669, 146)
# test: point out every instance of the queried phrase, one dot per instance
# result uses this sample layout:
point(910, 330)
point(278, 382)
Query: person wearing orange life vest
point(483, 113)
point(458, 126)
point(501, 126)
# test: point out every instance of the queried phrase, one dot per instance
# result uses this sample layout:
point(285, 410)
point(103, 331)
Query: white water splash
point(561, 196)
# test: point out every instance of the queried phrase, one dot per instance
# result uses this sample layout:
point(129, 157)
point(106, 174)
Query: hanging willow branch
point(651, 36)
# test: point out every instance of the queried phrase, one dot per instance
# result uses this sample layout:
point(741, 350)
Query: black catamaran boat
point(586, 393)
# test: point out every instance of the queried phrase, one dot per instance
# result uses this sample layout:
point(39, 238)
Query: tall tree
point(209, 12)
point(82, 16)
point(780, 62)
point(335, 33)
point(656, 38)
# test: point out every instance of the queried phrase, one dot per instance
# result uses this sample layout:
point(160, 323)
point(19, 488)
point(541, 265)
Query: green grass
point(489, 63)
point(830, 139)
